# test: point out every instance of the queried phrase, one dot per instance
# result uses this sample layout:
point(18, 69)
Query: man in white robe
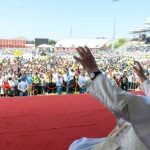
point(132, 112)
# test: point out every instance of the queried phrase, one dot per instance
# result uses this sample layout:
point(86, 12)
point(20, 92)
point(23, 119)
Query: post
point(114, 26)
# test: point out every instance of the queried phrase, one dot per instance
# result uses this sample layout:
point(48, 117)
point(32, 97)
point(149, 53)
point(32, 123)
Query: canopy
point(74, 43)
point(45, 46)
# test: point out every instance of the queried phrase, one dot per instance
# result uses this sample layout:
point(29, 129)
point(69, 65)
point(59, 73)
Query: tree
point(52, 42)
point(120, 43)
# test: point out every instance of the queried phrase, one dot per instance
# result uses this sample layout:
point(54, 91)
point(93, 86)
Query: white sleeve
point(109, 94)
point(122, 103)
point(146, 87)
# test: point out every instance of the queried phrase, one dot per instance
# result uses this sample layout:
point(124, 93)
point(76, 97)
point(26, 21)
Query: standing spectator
point(54, 79)
point(28, 79)
point(16, 82)
point(6, 88)
point(42, 88)
point(67, 82)
point(12, 85)
point(59, 83)
point(130, 81)
point(124, 82)
point(46, 82)
point(82, 82)
point(72, 81)
point(36, 83)
point(23, 87)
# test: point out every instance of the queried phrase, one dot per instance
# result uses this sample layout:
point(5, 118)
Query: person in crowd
point(124, 82)
point(65, 80)
point(36, 83)
point(12, 85)
point(133, 126)
point(59, 83)
point(54, 80)
point(72, 81)
point(68, 85)
point(46, 82)
point(6, 88)
point(82, 83)
point(16, 82)
point(51, 83)
point(130, 81)
point(28, 79)
point(42, 83)
point(23, 87)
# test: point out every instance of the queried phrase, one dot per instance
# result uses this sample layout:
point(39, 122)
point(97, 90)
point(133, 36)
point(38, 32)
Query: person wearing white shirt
point(54, 80)
point(4, 76)
point(82, 83)
point(67, 80)
point(59, 83)
point(132, 112)
point(130, 81)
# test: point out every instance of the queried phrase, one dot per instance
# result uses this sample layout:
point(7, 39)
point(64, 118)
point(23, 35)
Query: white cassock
point(133, 118)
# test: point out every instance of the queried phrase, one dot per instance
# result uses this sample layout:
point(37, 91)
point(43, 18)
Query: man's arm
point(109, 94)
point(112, 96)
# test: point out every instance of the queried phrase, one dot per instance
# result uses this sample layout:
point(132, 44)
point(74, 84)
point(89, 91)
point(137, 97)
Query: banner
point(18, 53)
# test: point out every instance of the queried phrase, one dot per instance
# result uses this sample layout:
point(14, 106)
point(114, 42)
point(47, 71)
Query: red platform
point(51, 122)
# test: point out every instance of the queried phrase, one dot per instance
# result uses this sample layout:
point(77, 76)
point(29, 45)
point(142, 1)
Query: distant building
point(15, 43)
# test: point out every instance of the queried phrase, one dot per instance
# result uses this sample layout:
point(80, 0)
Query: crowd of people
point(136, 46)
point(22, 77)
point(60, 74)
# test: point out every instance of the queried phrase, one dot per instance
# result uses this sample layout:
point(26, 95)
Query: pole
point(114, 26)
point(114, 34)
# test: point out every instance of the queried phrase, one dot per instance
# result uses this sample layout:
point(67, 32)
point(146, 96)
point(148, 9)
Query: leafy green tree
point(52, 42)
point(120, 42)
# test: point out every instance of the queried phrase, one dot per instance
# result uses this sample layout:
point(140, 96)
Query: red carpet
point(51, 122)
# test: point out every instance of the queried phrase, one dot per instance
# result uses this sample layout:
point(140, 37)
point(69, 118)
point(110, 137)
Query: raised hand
point(86, 59)
point(139, 71)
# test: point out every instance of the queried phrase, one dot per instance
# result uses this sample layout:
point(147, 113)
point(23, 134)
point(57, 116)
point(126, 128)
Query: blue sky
point(53, 18)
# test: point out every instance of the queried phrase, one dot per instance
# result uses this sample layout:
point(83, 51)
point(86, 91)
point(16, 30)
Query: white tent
point(74, 43)
point(97, 43)
point(45, 46)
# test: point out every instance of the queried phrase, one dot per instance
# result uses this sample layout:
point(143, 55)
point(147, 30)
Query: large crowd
point(60, 74)
point(140, 48)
